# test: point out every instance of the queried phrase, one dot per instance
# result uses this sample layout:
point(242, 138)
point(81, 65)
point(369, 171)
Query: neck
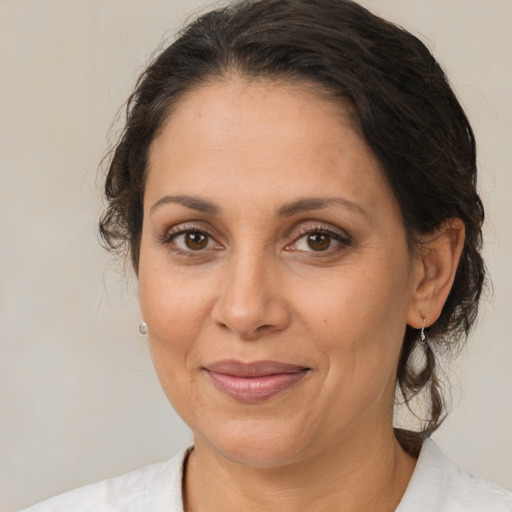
point(354, 477)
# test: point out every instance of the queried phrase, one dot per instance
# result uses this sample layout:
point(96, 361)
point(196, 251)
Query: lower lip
point(255, 389)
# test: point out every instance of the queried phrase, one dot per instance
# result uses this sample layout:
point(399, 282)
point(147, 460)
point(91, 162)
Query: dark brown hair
point(405, 110)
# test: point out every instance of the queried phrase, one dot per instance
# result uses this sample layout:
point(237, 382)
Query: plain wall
point(79, 398)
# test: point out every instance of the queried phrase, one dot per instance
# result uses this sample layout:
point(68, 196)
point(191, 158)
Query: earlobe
point(438, 262)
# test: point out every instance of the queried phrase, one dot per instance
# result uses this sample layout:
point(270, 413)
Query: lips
point(254, 382)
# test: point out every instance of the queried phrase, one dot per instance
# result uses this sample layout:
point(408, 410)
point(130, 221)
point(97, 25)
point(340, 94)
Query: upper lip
point(253, 369)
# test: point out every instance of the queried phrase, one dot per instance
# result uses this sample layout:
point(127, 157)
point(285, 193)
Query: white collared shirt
point(436, 486)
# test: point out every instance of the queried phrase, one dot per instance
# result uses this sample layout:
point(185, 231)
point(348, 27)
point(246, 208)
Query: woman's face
point(274, 273)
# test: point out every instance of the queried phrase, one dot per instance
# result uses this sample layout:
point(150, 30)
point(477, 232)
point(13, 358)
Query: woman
point(296, 187)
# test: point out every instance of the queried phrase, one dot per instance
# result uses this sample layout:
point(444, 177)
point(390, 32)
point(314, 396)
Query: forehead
point(255, 137)
point(234, 107)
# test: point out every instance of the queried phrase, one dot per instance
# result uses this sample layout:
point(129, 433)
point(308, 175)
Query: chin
point(260, 445)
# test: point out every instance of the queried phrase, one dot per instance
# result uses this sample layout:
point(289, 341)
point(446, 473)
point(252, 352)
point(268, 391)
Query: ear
point(435, 271)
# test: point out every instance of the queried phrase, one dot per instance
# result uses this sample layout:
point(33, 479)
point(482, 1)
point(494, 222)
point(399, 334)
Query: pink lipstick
point(254, 382)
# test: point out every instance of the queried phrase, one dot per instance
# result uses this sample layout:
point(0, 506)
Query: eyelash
point(183, 229)
point(341, 237)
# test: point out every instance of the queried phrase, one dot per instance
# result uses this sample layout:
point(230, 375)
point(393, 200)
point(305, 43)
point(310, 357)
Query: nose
point(250, 302)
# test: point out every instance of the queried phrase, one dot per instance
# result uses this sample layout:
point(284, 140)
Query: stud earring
point(143, 328)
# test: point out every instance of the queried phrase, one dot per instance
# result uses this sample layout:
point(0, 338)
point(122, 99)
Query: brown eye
point(191, 240)
point(196, 240)
point(319, 241)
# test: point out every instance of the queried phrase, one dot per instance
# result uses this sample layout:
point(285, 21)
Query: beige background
point(79, 400)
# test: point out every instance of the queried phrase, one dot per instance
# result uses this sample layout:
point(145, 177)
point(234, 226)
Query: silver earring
point(423, 336)
point(143, 328)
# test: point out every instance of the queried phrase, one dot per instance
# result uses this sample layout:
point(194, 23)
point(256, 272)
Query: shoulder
point(439, 485)
point(152, 488)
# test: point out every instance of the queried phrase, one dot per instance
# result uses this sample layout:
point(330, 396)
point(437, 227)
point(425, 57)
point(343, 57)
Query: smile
point(254, 382)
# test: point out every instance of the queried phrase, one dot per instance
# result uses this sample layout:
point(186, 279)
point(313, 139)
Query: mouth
point(254, 382)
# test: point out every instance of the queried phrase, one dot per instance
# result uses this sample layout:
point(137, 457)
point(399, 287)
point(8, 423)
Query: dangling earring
point(143, 328)
point(423, 336)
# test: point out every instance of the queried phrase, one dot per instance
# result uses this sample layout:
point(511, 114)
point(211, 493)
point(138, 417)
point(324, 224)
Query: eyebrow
point(287, 210)
point(194, 203)
point(317, 203)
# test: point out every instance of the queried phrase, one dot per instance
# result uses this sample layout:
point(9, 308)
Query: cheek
point(350, 308)
point(175, 310)
point(175, 317)
point(358, 320)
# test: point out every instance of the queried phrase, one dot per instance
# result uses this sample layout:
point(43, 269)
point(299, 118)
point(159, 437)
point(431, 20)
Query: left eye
point(193, 240)
point(317, 242)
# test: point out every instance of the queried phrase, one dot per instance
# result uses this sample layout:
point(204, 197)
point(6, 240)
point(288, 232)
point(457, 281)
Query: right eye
point(192, 240)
